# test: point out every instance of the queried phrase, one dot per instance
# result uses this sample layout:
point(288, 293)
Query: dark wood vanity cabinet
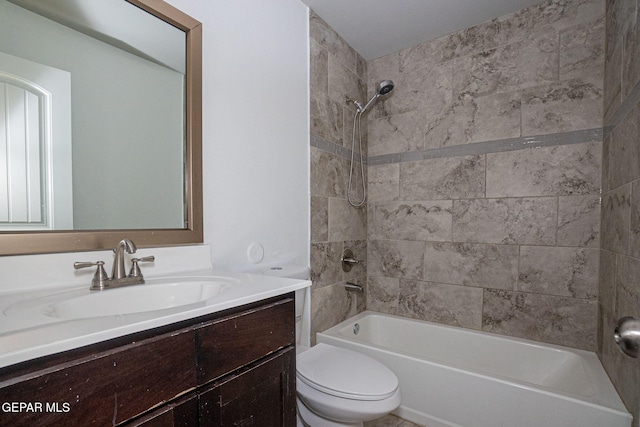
point(233, 368)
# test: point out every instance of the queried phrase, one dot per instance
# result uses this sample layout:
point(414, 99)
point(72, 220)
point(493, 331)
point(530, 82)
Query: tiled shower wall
point(484, 170)
point(337, 72)
point(619, 293)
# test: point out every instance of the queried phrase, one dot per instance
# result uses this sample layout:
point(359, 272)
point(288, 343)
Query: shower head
point(383, 88)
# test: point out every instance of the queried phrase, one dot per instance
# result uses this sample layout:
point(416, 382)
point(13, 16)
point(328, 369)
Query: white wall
point(255, 130)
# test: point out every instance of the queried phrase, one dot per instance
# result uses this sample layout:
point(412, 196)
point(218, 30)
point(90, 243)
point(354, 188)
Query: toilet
point(336, 387)
point(340, 387)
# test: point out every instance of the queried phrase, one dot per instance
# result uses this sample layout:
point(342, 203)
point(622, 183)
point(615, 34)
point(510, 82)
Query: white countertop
point(28, 330)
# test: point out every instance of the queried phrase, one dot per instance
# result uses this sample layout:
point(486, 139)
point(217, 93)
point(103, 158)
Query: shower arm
point(359, 106)
point(373, 98)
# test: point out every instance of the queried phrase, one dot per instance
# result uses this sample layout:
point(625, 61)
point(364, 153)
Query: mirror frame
point(17, 243)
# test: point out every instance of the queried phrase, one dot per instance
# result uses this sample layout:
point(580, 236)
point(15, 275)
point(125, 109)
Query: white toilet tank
point(303, 300)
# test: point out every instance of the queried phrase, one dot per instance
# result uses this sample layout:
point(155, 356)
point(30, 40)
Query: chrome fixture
point(348, 261)
point(135, 268)
point(118, 271)
point(353, 287)
point(383, 88)
point(118, 277)
point(627, 336)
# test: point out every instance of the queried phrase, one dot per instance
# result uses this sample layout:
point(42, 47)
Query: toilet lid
point(345, 373)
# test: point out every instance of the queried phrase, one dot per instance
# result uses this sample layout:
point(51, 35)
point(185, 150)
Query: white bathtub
point(458, 377)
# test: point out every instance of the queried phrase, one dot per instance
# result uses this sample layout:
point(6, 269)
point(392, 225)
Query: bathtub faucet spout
point(353, 287)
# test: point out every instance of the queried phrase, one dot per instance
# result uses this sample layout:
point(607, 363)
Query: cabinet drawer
point(181, 413)
point(228, 343)
point(107, 388)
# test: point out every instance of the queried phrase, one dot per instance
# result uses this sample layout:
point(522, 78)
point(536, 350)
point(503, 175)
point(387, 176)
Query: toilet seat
point(345, 373)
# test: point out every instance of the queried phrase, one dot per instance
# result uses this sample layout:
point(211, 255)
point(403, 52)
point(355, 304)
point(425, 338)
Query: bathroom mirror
point(118, 127)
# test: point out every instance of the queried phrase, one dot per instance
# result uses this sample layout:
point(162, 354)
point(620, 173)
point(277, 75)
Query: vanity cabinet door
point(261, 396)
point(228, 343)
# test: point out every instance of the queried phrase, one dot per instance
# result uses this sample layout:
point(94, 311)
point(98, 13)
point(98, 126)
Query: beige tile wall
point(619, 291)
point(500, 241)
point(337, 72)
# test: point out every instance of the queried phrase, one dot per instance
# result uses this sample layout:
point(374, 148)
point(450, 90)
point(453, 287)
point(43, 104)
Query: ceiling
point(377, 27)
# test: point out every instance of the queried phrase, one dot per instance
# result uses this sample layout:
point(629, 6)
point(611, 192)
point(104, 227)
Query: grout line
point(630, 102)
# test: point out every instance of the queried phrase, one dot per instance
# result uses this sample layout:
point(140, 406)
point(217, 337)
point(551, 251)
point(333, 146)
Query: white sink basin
point(152, 296)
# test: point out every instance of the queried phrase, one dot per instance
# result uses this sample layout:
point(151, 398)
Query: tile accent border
point(473, 149)
point(333, 148)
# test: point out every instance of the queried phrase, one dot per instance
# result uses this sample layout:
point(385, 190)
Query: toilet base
point(308, 418)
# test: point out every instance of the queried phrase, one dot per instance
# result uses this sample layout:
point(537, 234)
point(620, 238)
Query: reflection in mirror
point(100, 124)
point(126, 146)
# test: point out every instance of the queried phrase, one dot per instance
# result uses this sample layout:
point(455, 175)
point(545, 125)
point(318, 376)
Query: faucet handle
point(135, 269)
point(100, 276)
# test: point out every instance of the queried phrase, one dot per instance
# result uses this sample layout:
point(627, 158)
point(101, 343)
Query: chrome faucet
point(118, 277)
point(118, 271)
